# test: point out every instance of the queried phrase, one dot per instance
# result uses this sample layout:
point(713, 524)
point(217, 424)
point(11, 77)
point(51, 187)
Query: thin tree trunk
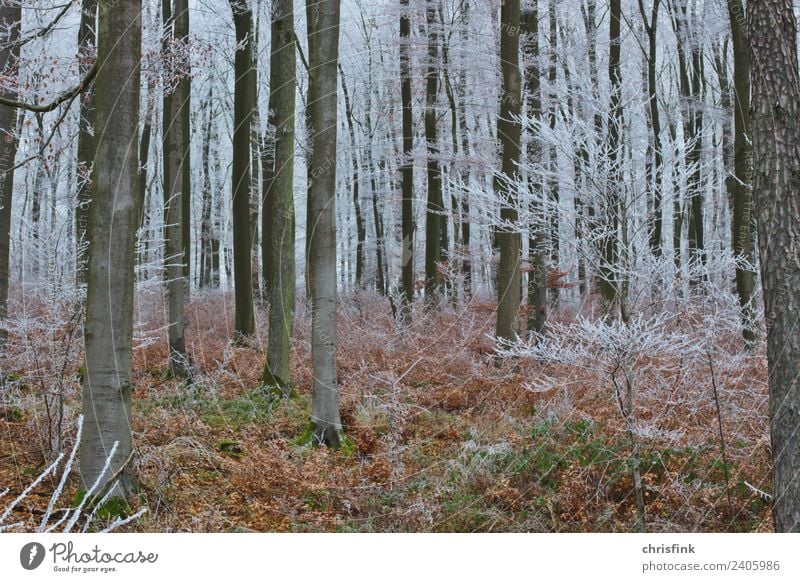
point(537, 239)
point(281, 223)
point(112, 227)
point(407, 168)
point(323, 55)
point(610, 269)
point(656, 219)
point(361, 231)
point(87, 40)
point(552, 186)
point(508, 135)
point(739, 187)
point(175, 160)
point(10, 24)
point(244, 105)
point(433, 216)
point(206, 225)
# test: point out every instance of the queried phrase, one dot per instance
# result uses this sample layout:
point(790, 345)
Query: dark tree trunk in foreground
point(407, 168)
point(280, 198)
point(243, 107)
point(508, 135)
point(739, 187)
point(176, 160)
point(87, 40)
point(323, 55)
point(656, 221)
point(112, 228)
point(10, 22)
point(776, 196)
point(537, 238)
point(433, 217)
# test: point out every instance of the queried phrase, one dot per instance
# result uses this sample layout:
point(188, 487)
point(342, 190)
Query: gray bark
point(280, 207)
point(10, 23)
point(112, 227)
point(323, 49)
point(776, 194)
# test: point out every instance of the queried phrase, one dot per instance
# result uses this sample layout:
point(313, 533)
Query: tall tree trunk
point(87, 40)
point(144, 156)
point(552, 186)
point(738, 185)
point(407, 168)
point(323, 55)
point(508, 135)
point(433, 216)
point(112, 230)
point(656, 220)
point(10, 24)
point(537, 239)
point(690, 62)
point(610, 268)
point(176, 19)
point(206, 224)
point(772, 30)
point(244, 105)
point(361, 231)
point(280, 209)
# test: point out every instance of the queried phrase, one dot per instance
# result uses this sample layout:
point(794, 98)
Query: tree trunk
point(656, 220)
point(175, 148)
point(537, 239)
point(552, 186)
point(10, 23)
point(361, 231)
point(407, 168)
point(433, 216)
point(244, 104)
point(206, 224)
point(508, 135)
point(87, 40)
point(112, 230)
point(739, 187)
point(323, 55)
point(280, 209)
point(775, 109)
point(610, 268)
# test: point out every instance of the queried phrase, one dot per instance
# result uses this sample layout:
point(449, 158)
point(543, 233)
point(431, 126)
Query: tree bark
point(112, 229)
point(87, 41)
point(361, 231)
point(772, 30)
point(508, 135)
point(407, 167)
point(537, 238)
point(244, 105)
point(739, 187)
point(280, 209)
point(176, 19)
point(656, 220)
point(10, 24)
point(323, 55)
point(433, 216)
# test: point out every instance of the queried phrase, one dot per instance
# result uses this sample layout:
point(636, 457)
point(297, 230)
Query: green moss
point(279, 388)
point(231, 449)
point(111, 509)
point(236, 413)
point(12, 414)
point(308, 437)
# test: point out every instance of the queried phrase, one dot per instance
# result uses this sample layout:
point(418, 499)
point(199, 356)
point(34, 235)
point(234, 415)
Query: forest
point(399, 266)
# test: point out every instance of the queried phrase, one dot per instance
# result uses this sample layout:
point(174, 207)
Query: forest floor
point(440, 438)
